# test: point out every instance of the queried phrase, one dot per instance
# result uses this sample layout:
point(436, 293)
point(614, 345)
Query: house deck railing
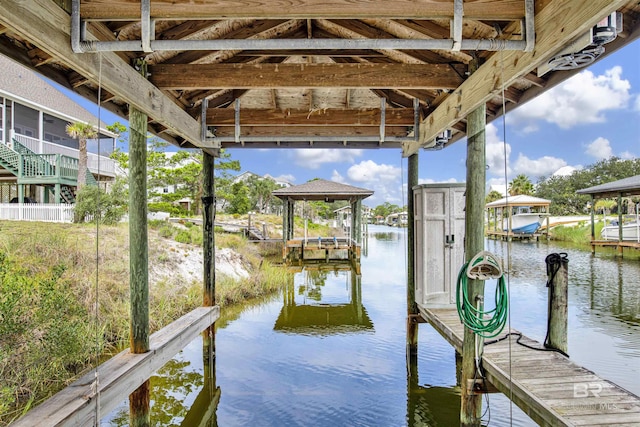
point(46, 212)
point(49, 166)
point(96, 164)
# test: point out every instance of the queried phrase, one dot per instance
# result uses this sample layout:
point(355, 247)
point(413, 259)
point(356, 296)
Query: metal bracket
point(416, 119)
point(237, 120)
point(456, 25)
point(203, 119)
point(383, 114)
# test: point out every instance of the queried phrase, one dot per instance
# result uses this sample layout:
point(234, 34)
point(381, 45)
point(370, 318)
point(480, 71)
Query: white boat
point(630, 232)
point(520, 214)
point(525, 222)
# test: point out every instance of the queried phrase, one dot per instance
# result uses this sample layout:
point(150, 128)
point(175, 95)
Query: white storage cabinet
point(439, 224)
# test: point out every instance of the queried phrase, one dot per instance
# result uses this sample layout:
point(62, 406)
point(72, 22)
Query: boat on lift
point(630, 231)
point(520, 214)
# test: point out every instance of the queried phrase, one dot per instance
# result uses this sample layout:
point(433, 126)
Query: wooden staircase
point(43, 169)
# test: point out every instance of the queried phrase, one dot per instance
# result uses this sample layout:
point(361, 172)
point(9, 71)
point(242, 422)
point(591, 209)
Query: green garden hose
point(486, 324)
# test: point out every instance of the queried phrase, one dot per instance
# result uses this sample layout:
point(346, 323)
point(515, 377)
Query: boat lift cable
point(97, 288)
point(504, 155)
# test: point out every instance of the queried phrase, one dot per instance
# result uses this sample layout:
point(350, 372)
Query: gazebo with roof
point(511, 205)
point(625, 187)
point(327, 191)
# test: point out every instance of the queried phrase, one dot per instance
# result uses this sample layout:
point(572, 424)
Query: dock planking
point(119, 376)
point(547, 386)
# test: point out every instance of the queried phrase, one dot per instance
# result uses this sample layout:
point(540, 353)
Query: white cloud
point(600, 148)
point(314, 158)
point(637, 103)
point(336, 177)
point(383, 179)
point(370, 171)
point(543, 166)
point(495, 150)
point(285, 177)
point(584, 98)
point(627, 155)
point(565, 171)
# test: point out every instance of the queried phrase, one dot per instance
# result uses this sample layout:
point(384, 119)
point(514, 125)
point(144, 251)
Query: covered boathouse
point(324, 248)
point(409, 75)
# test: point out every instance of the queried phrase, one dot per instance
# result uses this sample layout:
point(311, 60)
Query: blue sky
point(590, 117)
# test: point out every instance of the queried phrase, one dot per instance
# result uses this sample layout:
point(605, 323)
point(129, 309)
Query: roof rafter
point(298, 9)
point(556, 25)
point(47, 25)
point(323, 117)
point(209, 76)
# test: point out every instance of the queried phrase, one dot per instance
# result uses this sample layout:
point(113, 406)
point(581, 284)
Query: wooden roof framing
point(311, 73)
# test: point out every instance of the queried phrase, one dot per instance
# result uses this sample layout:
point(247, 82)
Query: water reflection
point(326, 300)
point(312, 356)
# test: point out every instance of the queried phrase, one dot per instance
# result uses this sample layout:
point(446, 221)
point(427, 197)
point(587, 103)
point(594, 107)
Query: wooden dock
point(322, 249)
point(509, 236)
point(118, 376)
point(547, 386)
point(619, 246)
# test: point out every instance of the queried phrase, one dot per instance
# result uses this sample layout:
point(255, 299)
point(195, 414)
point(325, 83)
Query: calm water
point(330, 349)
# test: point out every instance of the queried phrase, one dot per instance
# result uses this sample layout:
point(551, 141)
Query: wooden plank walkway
point(547, 386)
point(119, 376)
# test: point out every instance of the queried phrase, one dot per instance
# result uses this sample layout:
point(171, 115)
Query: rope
point(485, 324)
point(97, 308)
point(504, 150)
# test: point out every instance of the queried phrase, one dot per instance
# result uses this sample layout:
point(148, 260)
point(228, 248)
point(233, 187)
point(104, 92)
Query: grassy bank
point(49, 331)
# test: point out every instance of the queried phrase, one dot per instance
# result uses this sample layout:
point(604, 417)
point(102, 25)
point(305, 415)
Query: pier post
point(138, 243)
point(208, 230)
point(620, 239)
point(412, 308)
point(593, 224)
point(471, 403)
point(558, 273)
point(138, 257)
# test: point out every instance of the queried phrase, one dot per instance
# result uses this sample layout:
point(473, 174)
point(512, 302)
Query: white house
point(38, 160)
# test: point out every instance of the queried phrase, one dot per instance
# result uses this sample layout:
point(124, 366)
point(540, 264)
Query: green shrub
point(167, 231)
point(173, 210)
point(94, 204)
point(183, 236)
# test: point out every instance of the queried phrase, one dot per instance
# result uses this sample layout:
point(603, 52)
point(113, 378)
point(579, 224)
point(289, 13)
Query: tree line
point(562, 190)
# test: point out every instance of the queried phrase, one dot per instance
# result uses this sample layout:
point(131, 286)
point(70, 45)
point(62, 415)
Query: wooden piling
point(208, 232)
point(412, 308)
point(139, 400)
point(593, 223)
point(558, 306)
point(471, 403)
point(138, 242)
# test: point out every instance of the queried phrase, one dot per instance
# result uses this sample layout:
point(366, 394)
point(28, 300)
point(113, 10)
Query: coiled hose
point(486, 324)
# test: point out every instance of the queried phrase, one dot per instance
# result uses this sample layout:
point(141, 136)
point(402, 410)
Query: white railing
point(45, 212)
point(107, 165)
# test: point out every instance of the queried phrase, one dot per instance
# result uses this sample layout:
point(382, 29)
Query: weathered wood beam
point(119, 376)
point(112, 10)
point(47, 26)
point(556, 25)
point(268, 144)
point(535, 80)
point(310, 131)
point(328, 117)
point(247, 76)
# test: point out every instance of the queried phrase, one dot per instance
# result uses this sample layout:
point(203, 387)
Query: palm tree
point(520, 185)
point(81, 132)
